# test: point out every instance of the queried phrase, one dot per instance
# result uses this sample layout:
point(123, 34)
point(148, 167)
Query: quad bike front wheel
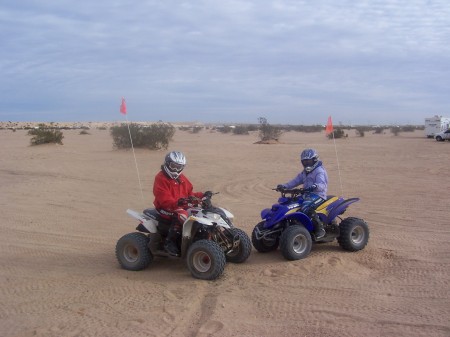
point(295, 243)
point(205, 260)
point(353, 234)
point(266, 243)
point(240, 253)
point(132, 251)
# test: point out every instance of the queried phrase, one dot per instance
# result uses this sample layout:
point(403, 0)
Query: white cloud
point(235, 58)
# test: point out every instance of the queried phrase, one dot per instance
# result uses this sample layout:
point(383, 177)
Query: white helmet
point(174, 163)
point(309, 159)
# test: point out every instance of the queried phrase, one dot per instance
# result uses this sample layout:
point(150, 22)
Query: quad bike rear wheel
point(295, 243)
point(353, 234)
point(240, 253)
point(205, 260)
point(265, 244)
point(132, 251)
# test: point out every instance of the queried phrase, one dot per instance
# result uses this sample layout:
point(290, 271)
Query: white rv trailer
point(436, 124)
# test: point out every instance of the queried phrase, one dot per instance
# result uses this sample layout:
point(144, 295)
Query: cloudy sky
point(290, 61)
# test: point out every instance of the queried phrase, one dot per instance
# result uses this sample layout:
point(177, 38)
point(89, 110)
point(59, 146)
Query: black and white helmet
point(174, 163)
point(309, 159)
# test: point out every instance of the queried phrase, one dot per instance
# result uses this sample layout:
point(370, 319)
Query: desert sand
point(63, 208)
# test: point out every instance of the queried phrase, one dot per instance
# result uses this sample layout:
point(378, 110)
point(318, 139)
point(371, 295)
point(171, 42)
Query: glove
point(207, 194)
point(183, 202)
point(310, 188)
point(280, 187)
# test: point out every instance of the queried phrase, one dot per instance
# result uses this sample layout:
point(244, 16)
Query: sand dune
point(63, 209)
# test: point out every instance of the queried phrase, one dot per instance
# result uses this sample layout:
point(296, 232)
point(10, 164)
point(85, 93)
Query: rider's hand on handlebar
point(207, 194)
point(310, 188)
point(183, 202)
point(280, 188)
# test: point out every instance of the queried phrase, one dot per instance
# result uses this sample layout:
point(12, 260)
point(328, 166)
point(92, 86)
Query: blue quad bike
point(287, 225)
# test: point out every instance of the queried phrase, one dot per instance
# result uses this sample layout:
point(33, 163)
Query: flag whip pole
point(123, 110)
point(337, 160)
point(328, 130)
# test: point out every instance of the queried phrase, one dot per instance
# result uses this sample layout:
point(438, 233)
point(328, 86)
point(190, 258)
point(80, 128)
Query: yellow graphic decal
point(322, 208)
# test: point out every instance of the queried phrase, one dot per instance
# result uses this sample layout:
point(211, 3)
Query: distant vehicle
point(444, 135)
point(435, 125)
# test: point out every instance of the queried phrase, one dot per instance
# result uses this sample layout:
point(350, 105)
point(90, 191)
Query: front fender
point(187, 226)
point(228, 214)
point(302, 218)
point(264, 213)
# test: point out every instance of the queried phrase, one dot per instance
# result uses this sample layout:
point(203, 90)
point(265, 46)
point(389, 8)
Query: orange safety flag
point(123, 107)
point(329, 127)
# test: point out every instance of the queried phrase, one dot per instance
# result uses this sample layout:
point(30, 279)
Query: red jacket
point(167, 191)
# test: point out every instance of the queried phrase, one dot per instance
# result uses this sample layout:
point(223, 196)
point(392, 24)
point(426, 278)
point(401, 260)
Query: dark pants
point(177, 218)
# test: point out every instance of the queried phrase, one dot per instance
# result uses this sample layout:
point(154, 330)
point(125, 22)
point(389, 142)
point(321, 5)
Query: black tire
point(242, 252)
point(353, 234)
point(205, 260)
point(263, 245)
point(439, 139)
point(295, 243)
point(132, 251)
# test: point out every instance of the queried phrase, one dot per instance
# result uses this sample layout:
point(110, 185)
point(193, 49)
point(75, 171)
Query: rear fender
point(148, 223)
point(340, 208)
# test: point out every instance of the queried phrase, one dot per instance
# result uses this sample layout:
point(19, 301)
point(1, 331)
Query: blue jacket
point(318, 176)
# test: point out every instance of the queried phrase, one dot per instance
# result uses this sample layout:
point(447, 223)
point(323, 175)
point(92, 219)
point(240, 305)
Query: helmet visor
point(175, 167)
point(308, 162)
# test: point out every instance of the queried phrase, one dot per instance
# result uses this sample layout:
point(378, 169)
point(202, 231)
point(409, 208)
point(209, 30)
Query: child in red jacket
point(170, 189)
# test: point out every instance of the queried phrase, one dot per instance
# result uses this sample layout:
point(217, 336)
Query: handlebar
point(292, 191)
point(196, 201)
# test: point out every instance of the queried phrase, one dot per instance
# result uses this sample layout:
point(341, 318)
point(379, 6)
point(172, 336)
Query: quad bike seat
point(154, 214)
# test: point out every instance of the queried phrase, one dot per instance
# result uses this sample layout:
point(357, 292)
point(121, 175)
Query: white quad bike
point(209, 239)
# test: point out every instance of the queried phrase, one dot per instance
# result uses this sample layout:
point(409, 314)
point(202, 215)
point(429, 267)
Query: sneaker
point(171, 248)
point(320, 233)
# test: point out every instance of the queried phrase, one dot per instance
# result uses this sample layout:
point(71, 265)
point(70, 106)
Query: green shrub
point(153, 137)
point(84, 132)
point(45, 135)
point(267, 131)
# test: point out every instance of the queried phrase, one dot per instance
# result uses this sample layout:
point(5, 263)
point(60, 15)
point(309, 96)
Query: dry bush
point(337, 133)
point(360, 132)
point(45, 135)
point(241, 130)
point(153, 137)
point(267, 131)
